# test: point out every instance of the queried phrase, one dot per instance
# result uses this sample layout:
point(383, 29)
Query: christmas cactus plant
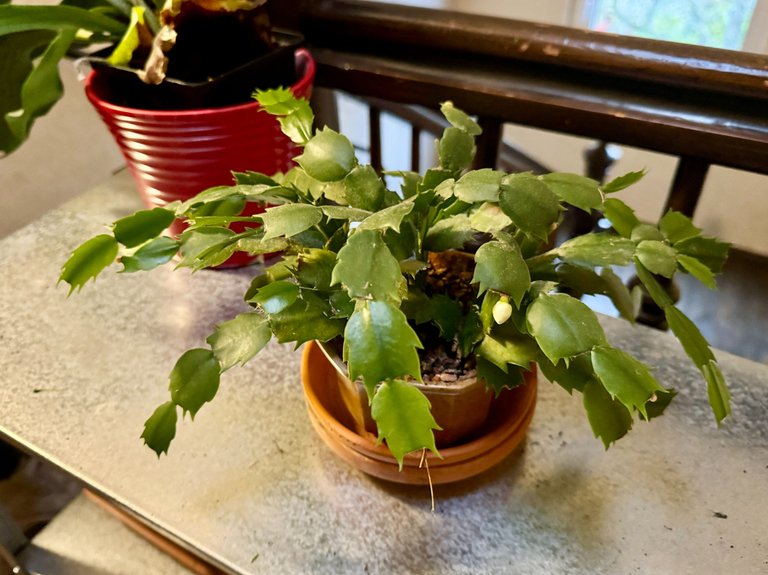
point(456, 258)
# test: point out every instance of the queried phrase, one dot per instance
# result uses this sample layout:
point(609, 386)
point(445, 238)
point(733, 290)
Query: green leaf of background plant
point(621, 216)
point(657, 257)
point(677, 227)
point(563, 326)
point(388, 218)
point(609, 419)
point(456, 149)
point(31, 83)
point(697, 270)
point(500, 266)
point(17, 54)
point(530, 204)
point(194, 379)
point(41, 87)
point(624, 377)
point(404, 420)
point(579, 191)
point(328, 156)
point(460, 119)
point(275, 297)
point(367, 269)
point(88, 260)
point(151, 255)
point(144, 225)
point(20, 18)
point(238, 340)
point(597, 250)
point(380, 345)
point(479, 186)
point(160, 428)
point(364, 188)
point(290, 219)
point(309, 317)
point(123, 52)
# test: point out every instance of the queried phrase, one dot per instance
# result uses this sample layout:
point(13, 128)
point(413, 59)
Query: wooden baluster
point(374, 126)
point(687, 185)
point(415, 149)
point(487, 143)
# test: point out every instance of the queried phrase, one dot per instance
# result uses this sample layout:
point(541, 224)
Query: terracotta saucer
point(510, 416)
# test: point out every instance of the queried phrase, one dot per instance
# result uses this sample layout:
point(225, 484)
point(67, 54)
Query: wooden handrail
point(370, 26)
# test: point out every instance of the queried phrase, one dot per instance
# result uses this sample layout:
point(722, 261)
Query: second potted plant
point(448, 279)
point(173, 87)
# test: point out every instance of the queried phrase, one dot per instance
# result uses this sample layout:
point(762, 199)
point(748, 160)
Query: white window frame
point(755, 40)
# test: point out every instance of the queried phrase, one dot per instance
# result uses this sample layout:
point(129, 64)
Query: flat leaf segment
point(367, 269)
point(403, 417)
point(380, 345)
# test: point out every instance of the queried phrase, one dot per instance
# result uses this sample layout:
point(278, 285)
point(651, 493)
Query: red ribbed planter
point(174, 155)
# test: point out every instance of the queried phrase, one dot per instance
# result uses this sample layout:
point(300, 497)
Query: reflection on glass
point(716, 23)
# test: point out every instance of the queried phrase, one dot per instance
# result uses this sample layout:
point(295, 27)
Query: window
point(716, 23)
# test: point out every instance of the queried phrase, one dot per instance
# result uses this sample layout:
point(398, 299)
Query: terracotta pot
point(460, 408)
point(174, 155)
point(502, 431)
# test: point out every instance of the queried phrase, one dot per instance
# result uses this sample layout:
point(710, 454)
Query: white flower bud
point(502, 311)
